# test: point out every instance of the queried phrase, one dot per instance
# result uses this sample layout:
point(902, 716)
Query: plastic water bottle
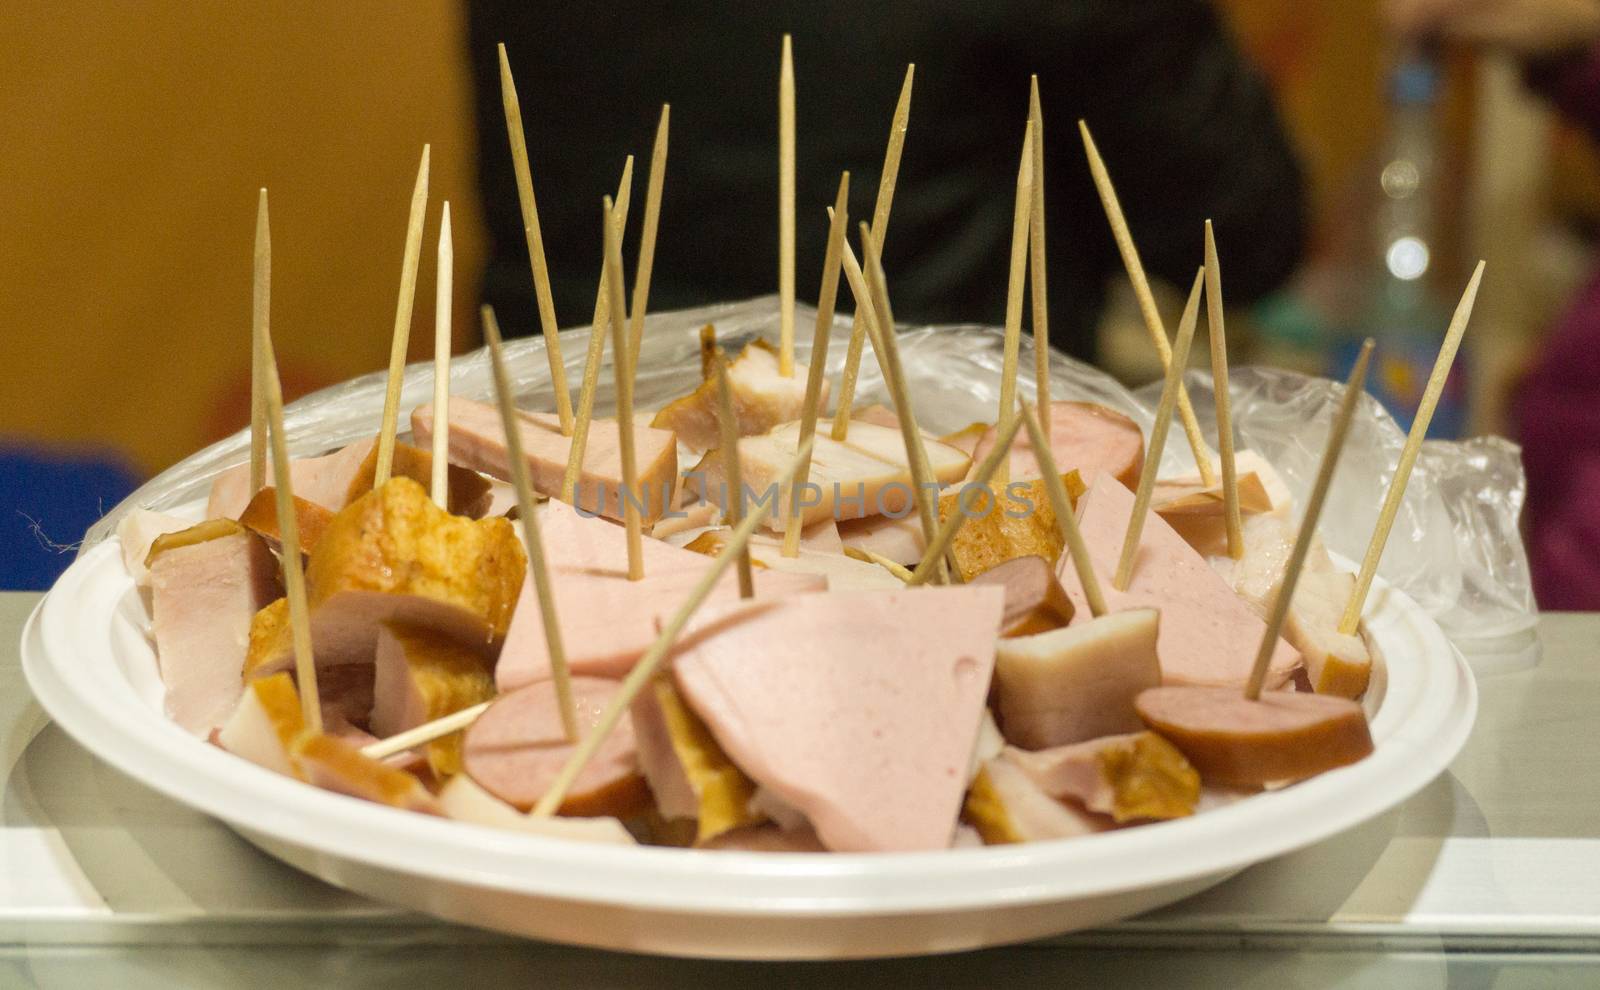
point(1402, 310)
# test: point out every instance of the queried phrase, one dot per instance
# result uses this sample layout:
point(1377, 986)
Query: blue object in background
point(48, 498)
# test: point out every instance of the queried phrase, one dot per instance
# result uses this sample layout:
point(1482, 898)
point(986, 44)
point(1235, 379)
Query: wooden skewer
point(543, 587)
point(294, 578)
point(1170, 389)
point(1351, 619)
point(421, 735)
point(880, 229)
point(868, 557)
point(647, 238)
point(623, 369)
point(444, 288)
point(1066, 519)
point(786, 211)
point(1020, 214)
point(599, 329)
point(530, 230)
point(1038, 290)
point(728, 422)
point(827, 299)
point(1146, 299)
point(958, 515)
point(402, 324)
point(260, 315)
point(1308, 526)
point(887, 347)
point(646, 668)
point(1224, 400)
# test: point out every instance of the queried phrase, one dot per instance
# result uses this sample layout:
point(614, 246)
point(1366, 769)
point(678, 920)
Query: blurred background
point(1417, 137)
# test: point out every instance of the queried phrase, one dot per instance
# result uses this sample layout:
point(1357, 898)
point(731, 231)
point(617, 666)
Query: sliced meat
point(765, 839)
point(1006, 806)
point(607, 621)
point(865, 475)
point(1283, 736)
point(470, 492)
point(831, 571)
point(266, 724)
point(1129, 777)
point(689, 774)
point(1078, 683)
point(478, 441)
point(516, 749)
point(899, 540)
point(205, 590)
point(261, 518)
point(324, 480)
point(335, 765)
point(762, 398)
point(1209, 636)
point(1035, 600)
point(868, 734)
point(394, 556)
point(465, 801)
point(137, 532)
point(421, 676)
point(1084, 437)
point(1022, 522)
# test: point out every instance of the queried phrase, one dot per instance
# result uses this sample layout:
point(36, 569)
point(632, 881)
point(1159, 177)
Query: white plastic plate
point(87, 658)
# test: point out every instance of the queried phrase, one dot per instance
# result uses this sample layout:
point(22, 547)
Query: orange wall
point(134, 139)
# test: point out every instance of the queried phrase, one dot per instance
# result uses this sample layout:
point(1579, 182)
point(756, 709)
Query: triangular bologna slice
point(1208, 636)
point(860, 710)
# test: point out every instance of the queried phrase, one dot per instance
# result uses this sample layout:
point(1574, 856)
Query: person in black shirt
point(1187, 128)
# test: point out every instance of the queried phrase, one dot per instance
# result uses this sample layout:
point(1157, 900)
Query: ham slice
point(1139, 776)
point(203, 597)
point(478, 441)
point(607, 621)
point(266, 725)
point(261, 518)
point(137, 532)
point(323, 480)
point(1084, 437)
point(1077, 683)
point(899, 540)
point(765, 839)
point(1283, 736)
point(1209, 636)
point(1035, 600)
point(762, 398)
point(465, 801)
point(335, 765)
point(516, 749)
point(1006, 806)
point(865, 475)
point(866, 732)
point(394, 556)
point(689, 774)
point(1336, 663)
point(421, 676)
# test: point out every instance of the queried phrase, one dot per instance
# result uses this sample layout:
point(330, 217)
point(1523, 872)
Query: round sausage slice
point(1085, 437)
point(516, 749)
point(1234, 742)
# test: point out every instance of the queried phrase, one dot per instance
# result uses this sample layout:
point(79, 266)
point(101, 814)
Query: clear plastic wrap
point(1455, 548)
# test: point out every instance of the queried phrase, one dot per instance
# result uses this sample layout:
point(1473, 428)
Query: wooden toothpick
point(260, 328)
point(647, 238)
point(728, 423)
point(1066, 519)
point(1038, 290)
point(786, 211)
point(294, 579)
point(1351, 619)
point(1146, 300)
point(599, 330)
point(402, 324)
point(543, 587)
point(530, 230)
point(1170, 390)
point(1308, 526)
point(880, 229)
point(629, 492)
point(427, 732)
point(952, 523)
point(1015, 285)
point(1224, 400)
point(444, 288)
point(650, 662)
point(827, 298)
